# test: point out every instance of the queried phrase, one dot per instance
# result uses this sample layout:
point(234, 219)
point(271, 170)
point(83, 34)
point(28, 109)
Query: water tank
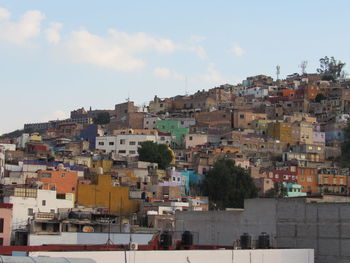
point(246, 241)
point(187, 238)
point(166, 239)
point(264, 241)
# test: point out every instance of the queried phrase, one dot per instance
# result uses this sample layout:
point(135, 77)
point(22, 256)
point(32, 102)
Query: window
point(302, 179)
point(52, 210)
point(162, 138)
point(178, 179)
point(111, 143)
point(1, 241)
point(312, 172)
point(241, 116)
point(334, 180)
point(190, 138)
point(30, 212)
point(121, 151)
point(325, 180)
point(122, 141)
point(132, 143)
point(139, 143)
point(43, 202)
point(309, 179)
point(341, 181)
point(1, 225)
point(132, 152)
point(101, 143)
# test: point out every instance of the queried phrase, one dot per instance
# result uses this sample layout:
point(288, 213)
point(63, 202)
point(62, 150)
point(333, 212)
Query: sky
point(57, 56)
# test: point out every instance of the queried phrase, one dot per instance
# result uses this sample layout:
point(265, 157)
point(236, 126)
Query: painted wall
point(6, 215)
point(103, 193)
point(72, 238)
point(44, 202)
point(193, 256)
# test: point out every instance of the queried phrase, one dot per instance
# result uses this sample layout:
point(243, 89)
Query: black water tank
point(246, 241)
point(264, 241)
point(166, 239)
point(187, 238)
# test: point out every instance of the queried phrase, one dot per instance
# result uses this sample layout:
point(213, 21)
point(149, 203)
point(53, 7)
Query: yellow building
point(35, 137)
point(101, 193)
point(281, 131)
point(104, 163)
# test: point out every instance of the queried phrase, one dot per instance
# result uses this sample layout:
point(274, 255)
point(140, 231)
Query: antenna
point(278, 71)
point(128, 98)
point(303, 66)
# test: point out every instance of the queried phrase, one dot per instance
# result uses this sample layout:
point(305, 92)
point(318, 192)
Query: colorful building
point(308, 179)
point(61, 180)
point(281, 131)
point(173, 127)
point(102, 193)
point(5, 224)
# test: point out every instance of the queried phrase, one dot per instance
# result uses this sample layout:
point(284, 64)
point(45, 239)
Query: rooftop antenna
point(303, 66)
point(278, 71)
point(128, 98)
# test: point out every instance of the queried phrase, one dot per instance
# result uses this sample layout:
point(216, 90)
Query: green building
point(173, 127)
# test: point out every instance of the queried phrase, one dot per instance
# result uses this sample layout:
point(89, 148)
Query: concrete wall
point(72, 238)
point(291, 223)
point(192, 256)
point(224, 227)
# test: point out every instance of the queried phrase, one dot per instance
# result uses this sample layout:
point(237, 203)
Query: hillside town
point(86, 173)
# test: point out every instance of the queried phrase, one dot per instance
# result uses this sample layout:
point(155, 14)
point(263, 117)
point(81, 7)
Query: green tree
point(320, 97)
point(102, 118)
point(279, 191)
point(227, 185)
point(330, 68)
point(155, 153)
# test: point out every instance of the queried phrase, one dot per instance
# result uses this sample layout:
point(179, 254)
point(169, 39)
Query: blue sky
point(57, 56)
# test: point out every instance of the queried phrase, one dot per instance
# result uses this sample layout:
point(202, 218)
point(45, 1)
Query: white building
point(26, 202)
point(149, 122)
point(257, 92)
point(22, 140)
point(123, 144)
point(192, 140)
point(8, 146)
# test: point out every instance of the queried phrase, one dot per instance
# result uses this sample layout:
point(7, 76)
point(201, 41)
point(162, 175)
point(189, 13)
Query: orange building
point(60, 180)
point(311, 91)
point(308, 178)
point(332, 181)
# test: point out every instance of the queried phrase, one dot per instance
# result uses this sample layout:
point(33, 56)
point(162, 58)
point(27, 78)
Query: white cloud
point(199, 51)
point(166, 73)
point(20, 32)
point(52, 33)
point(237, 50)
point(212, 76)
point(162, 73)
point(117, 51)
point(4, 14)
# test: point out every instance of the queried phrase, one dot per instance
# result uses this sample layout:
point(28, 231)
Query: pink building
point(5, 224)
